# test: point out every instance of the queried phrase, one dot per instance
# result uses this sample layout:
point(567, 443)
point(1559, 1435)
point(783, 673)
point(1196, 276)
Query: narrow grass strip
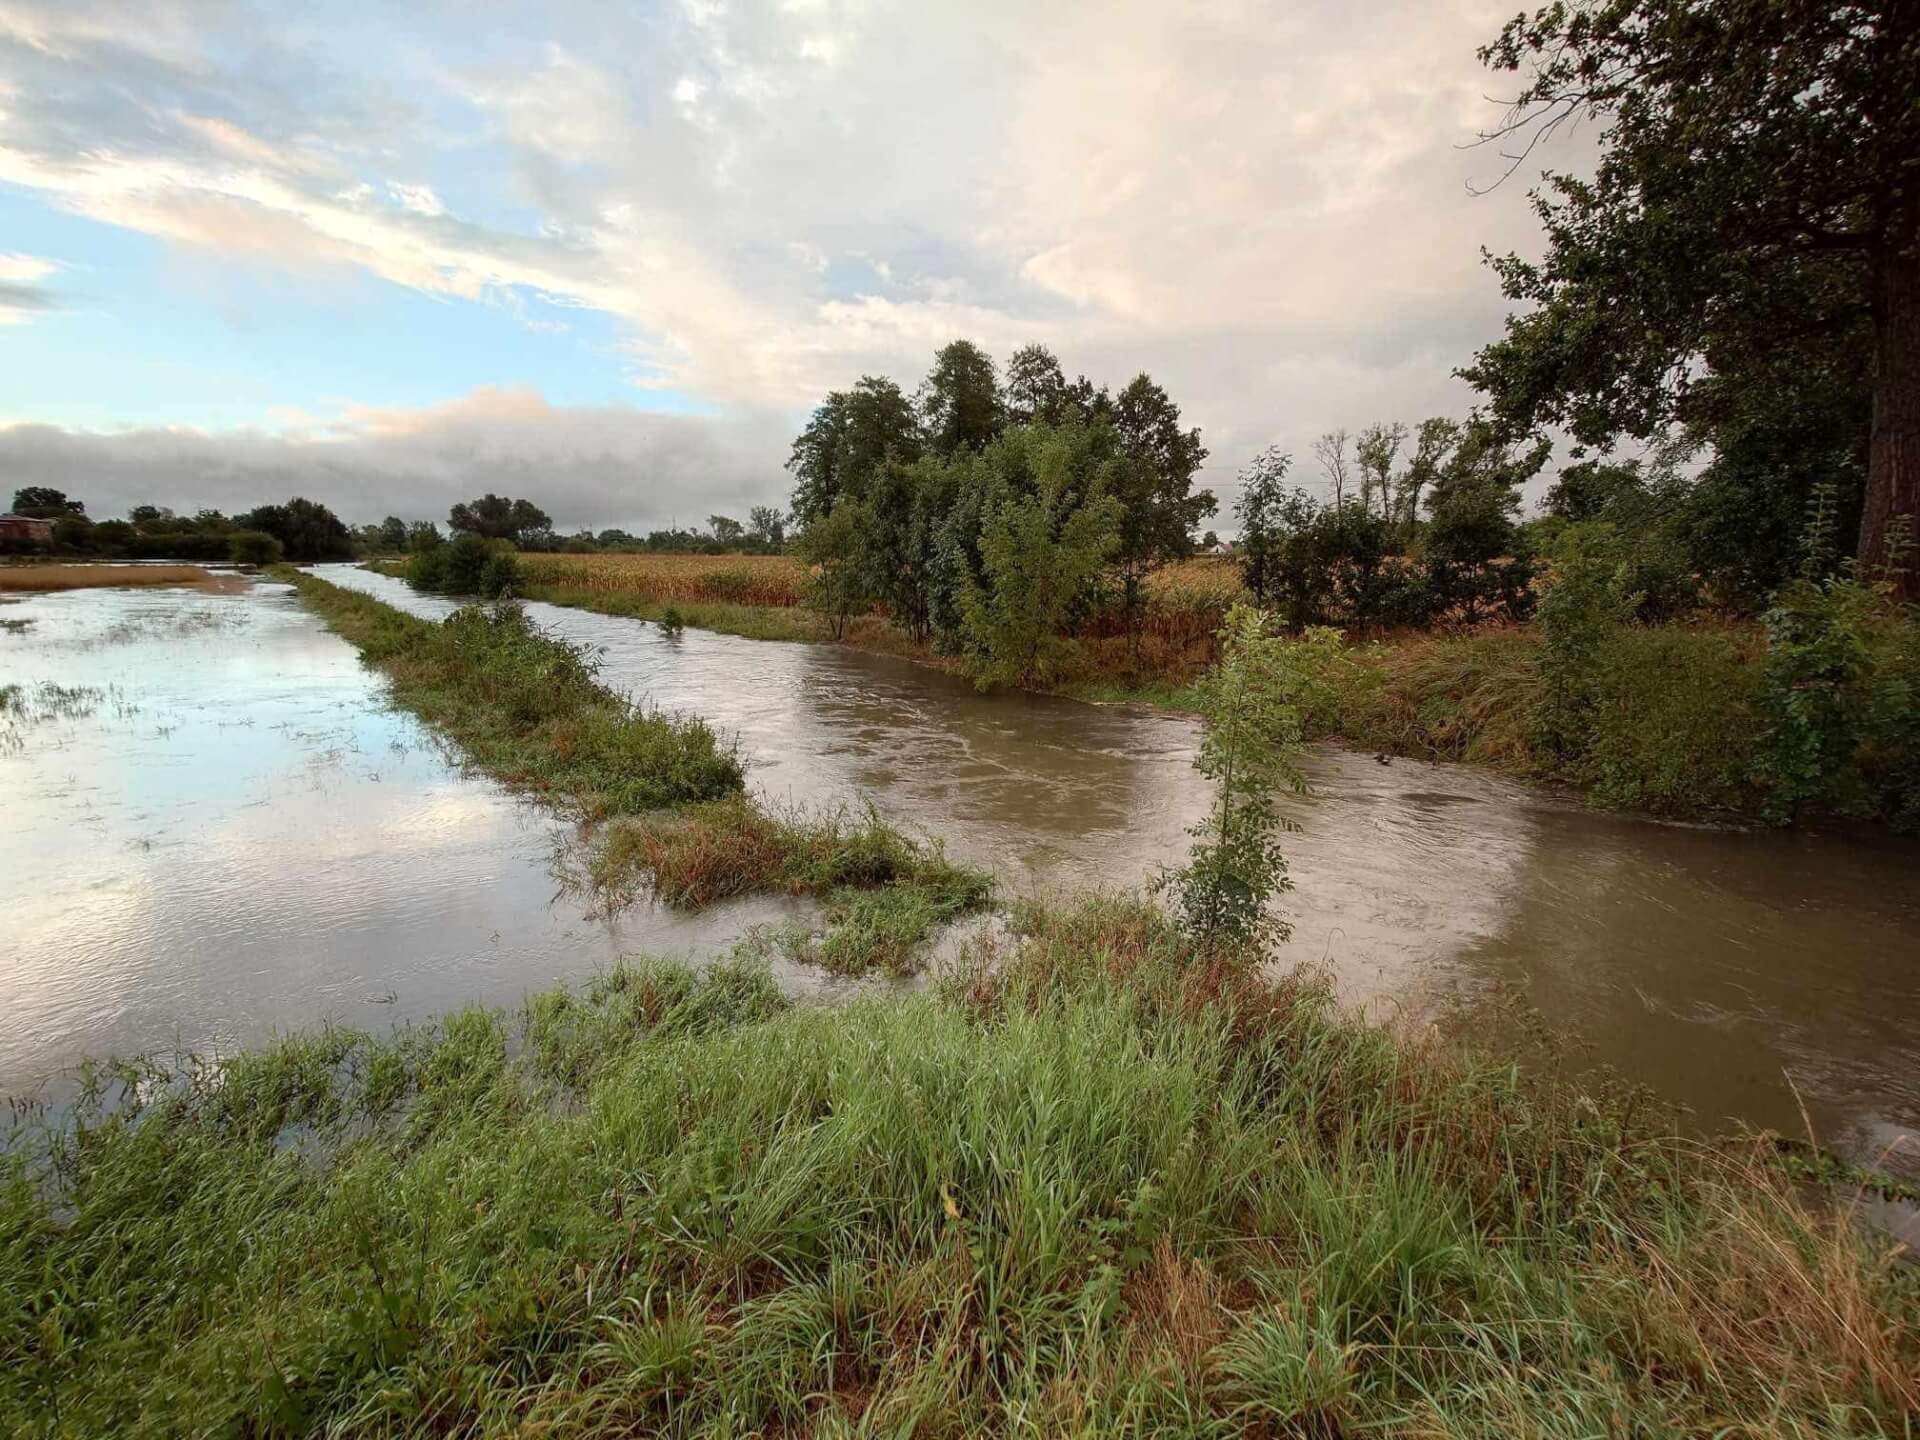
point(526, 707)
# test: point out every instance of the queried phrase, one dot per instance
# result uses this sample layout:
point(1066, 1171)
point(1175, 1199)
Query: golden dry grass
point(1202, 584)
point(81, 577)
point(763, 580)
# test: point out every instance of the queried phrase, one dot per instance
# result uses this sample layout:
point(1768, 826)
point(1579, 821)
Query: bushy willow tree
point(934, 479)
point(959, 402)
point(1745, 262)
point(1256, 704)
point(501, 517)
point(1042, 545)
point(847, 440)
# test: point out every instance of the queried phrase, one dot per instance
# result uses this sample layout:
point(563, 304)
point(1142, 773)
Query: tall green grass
point(1092, 1185)
point(527, 708)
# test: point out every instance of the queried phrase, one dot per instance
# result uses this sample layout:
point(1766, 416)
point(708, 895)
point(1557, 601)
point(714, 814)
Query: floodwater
point(1769, 978)
point(221, 831)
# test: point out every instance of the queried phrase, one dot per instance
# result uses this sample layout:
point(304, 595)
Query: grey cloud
point(588, 468)
point(17, 296)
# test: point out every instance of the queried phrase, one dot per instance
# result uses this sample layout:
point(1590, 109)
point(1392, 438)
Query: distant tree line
point(306, 531)
point(300, 529)
point(991, 515)
point(528, 527)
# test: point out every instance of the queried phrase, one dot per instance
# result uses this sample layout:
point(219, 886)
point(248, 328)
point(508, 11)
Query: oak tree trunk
point(1893, 455)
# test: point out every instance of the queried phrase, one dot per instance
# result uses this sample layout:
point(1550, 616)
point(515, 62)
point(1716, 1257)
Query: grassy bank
point(526, 707)
point(1680, 720)
point(1095, 1184)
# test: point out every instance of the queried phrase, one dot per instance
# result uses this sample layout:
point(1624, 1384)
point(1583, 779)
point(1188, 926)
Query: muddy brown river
point(228, 834)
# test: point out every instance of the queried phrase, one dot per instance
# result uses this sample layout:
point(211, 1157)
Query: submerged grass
point(886, 892)
point(1094, 1184)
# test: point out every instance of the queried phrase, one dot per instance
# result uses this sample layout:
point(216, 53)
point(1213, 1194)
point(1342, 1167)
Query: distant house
point(25, 527)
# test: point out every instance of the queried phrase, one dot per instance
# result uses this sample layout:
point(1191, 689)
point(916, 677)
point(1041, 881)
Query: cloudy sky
point(608, 255)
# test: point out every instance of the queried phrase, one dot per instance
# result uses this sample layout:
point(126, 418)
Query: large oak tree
point(1755, 216)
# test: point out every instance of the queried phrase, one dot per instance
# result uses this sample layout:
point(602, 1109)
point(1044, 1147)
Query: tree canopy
point(306, 529)
point(497, 517)
point(1752, 232)
point(43, 502)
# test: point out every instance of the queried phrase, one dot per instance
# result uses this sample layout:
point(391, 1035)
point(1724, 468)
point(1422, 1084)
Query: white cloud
point(1264, 206)
point(25, 269)
point(21, 296)
point(419, 199)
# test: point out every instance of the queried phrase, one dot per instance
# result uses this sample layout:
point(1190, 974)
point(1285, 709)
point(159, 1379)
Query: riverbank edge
point(1096, 1181)
point(662, 802)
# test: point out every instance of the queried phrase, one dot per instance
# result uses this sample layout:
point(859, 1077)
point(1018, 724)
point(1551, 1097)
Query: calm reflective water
point(228, 833)
point(1729, 970)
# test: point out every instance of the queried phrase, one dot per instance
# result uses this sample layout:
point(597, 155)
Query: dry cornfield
point(768, 580)
point(1205, 586)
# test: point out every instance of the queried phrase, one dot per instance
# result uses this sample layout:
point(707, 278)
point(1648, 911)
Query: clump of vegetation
point(672, 625)
point(1256, 704)
point(466, 565)
point(996, 521)
point(525, 706)
point(254, 547)
point(1840, 694)
point(1100, 1181)
point(886, 930)
point(1040, 555)
point(706, 853)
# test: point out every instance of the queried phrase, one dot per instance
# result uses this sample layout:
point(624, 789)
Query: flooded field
point(215, 829)
point(236, 836)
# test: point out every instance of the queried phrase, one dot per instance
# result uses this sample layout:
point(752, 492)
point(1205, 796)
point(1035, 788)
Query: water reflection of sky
point(240, 837)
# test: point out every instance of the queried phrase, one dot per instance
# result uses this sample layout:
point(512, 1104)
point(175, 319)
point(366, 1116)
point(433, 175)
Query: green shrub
point(465, 565)
point(1256, 703)
point(1841, 702)
point(499, 575)
point(253, 547)
point(427, 568)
